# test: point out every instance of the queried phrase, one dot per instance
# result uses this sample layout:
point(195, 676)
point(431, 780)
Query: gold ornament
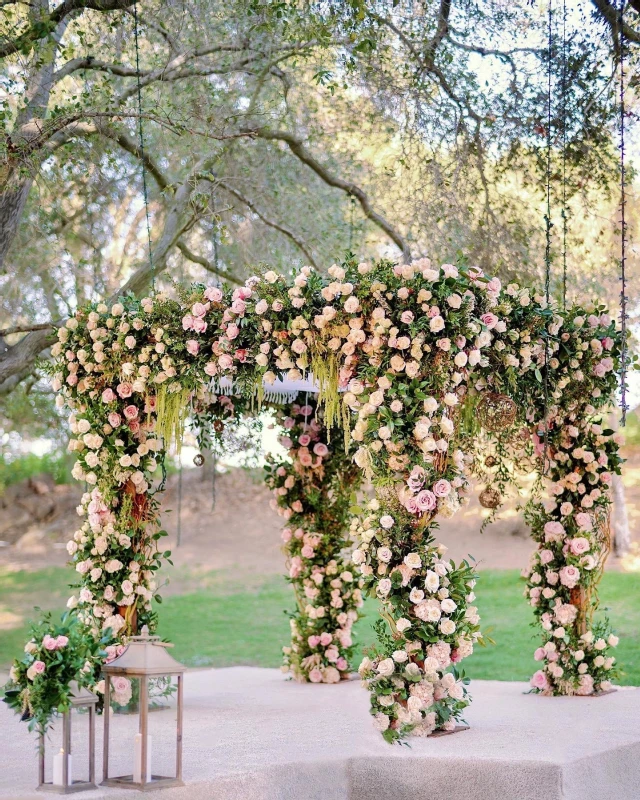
point(490, 498)
point(198, 459)
point(496, 412)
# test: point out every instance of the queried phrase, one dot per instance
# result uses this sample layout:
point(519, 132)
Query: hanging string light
point(623, 225)
point(564, 155)
point(141, 140)
point(548, 228)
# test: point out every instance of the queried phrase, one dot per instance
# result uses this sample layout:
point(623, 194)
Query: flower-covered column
point(572, 529)
point(313, 492)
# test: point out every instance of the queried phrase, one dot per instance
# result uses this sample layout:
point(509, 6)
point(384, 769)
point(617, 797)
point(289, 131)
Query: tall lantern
point(144, 657)
point(63, 782)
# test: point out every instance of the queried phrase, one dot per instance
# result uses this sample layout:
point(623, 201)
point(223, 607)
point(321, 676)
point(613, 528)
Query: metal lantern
point(63, 782)
point(496, 412)
point(145, 657)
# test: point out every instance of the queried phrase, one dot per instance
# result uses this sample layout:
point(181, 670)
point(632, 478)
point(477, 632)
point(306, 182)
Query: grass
point(221, 625)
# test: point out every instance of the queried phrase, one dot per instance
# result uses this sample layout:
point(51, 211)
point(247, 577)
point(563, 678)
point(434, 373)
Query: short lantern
point(145, 657)
point(62, 781)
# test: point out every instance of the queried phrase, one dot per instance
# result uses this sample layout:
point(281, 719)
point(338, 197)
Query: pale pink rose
point(131, 412)
point(232, 331)
point(539, 680)
point(108, 396)
point(321, 449)
point(225, 361)
point(315, 675)
point(342, 664)
point(386, 521)
point(199, 325)
point(199, 310)
point(62, 641)
point(38, 667)
point(554, 531)
point(586, 685)
point(546, 556)
point(187, 322)
point(50, 643)
point(307, 551)
point(599, 371)
point(124, 390)
point(584, 521)
point(490, 320)
point(407, 317)
point(213, 294)
point(114, 419)
point(304, 439)
point(569, 576)
point(261, 306)
point(325, 638)
point(579, 545)
point(540, 654)
point(192, 347)
point(441, 488)
point(313, 641)
point(238, 307)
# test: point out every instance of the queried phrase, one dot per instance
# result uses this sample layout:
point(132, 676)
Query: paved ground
point(251, 735)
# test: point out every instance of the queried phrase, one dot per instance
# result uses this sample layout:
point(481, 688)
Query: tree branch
point(208, 265)
point(47, 24)
point(299, 150)
point(299, 243)
point(45, 326)
point(611, 16)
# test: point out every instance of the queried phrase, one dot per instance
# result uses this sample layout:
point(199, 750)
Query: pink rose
point(232, 331)
point(490, 320)
point(213, 294)
point(199, 310)
point(441, 488)
point(321, 449)
point(49, 643)
point(569, 576)
point(553, 531)
point(540, 654)
point(325, 638)
point(341, 664)
point(407, 317)
point(315, 675)
point(225, 361)
point(39, 667)
point(114, 419)
point(62, 641)
point(426, 500)
point(313, 641)
point(124, 390)
point(187, 322)
point(199, 325)
point(307, 551)
point(238, 307)
point(108, 396)
point(241, 355)
point(607, 343)
point(539, 680)
point(304, 439)
point(131, 412)
point(599, 370)
point(192, 347)
point(134, 426)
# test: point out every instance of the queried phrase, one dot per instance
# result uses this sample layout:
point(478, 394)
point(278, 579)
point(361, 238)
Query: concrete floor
point(252, 735)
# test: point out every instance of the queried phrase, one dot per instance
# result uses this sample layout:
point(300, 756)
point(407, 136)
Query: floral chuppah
point(425, 354)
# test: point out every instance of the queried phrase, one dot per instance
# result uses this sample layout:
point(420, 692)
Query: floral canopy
point(434, 374)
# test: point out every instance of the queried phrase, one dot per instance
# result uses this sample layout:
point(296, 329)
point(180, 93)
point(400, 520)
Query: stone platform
point(252, 735)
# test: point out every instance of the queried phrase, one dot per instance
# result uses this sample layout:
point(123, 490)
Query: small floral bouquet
point(55, 655)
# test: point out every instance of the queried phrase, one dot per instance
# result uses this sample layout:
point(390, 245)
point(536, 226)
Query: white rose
point(386, 667)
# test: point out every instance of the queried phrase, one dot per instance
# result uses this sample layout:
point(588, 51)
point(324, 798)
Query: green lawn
point(221, 625)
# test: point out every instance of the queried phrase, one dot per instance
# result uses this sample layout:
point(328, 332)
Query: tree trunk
point(12, 202)
point(620, 519)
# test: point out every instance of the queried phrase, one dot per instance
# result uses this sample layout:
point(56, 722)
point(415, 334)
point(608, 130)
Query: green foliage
point(14, 470)
point(56, 654)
